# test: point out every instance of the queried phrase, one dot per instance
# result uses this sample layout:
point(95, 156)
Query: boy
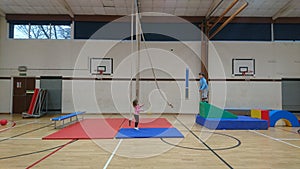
point(203, 88)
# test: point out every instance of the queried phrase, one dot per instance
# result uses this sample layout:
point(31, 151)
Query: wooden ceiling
point(256, 8)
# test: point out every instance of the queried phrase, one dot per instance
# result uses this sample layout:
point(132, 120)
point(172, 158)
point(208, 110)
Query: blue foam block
point(149, 133)
point(275, 115)
point(241, 123)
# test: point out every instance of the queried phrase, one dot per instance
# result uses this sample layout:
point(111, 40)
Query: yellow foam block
point(256, 113)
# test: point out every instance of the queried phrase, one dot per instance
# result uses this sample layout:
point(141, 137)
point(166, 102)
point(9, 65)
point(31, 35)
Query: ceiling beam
point(148, 19)
point(2, 13)
point(138, 3)
point(67, 7)
point(224, 13)
point(284, 10)
point(229, 19)
point(37, 17)
point(213, 6)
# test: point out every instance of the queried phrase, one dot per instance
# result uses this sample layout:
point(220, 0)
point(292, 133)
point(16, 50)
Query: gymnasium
point(149, 84)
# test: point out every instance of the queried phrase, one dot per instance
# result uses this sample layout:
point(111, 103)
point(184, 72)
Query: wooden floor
point(21, 146)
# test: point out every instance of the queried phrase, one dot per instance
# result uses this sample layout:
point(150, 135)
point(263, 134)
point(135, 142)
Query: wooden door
point(21, 97)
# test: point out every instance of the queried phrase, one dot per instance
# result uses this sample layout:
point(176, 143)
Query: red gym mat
point(149, 123)
point(89, 129)
point(33, 101)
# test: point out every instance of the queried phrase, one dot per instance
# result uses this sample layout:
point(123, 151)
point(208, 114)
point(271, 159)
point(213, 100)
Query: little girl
point(137, 110)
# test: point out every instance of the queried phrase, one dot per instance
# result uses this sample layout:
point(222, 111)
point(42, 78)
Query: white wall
point(69, 58)
point(274, 60)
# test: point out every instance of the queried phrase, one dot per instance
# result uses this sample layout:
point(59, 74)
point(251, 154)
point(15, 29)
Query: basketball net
point(247, 75)
point(100, 74)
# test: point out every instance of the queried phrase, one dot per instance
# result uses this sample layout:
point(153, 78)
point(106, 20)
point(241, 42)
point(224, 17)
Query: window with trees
point(40, 30)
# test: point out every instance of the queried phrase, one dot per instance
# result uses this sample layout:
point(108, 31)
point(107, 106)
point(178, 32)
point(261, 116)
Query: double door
point(291, 94)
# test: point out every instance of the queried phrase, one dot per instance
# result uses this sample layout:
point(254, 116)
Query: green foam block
point(210, 111)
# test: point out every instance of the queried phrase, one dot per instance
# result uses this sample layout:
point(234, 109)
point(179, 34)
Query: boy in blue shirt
point(203, 88)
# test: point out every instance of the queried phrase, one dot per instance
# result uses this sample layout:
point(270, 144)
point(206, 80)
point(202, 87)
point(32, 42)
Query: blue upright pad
point(149, 133)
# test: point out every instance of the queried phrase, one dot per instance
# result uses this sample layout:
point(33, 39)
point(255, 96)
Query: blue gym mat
point(241, 123)
point(149, 133)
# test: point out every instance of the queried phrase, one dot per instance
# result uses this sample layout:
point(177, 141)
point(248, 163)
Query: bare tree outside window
point(42, 32)
point(21, 32)
point(39, 32)
point(60, 32)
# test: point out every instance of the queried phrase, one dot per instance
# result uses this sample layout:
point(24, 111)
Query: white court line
point(289, 139)
point(5, 129)
point(276, 139)
point(112, 155)
point(20, 138)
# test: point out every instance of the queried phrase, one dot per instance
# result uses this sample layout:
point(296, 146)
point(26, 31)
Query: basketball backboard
point(243, 67)
point(103, 65)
